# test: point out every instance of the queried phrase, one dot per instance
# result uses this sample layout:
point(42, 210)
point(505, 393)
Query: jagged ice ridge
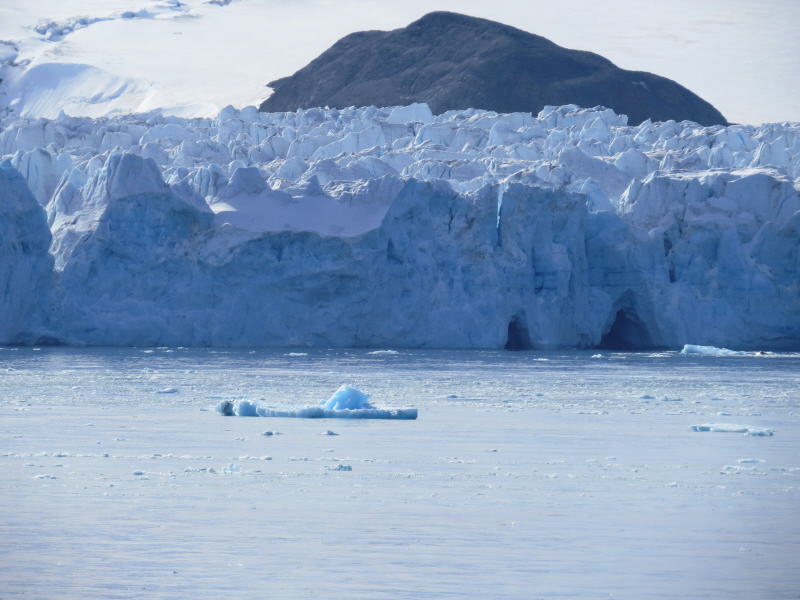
point(391, 227)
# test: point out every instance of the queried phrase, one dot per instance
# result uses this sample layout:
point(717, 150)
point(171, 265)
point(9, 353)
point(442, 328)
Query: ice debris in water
point(714, 351)
point(732, 428)
point(318, 412)
point(346, 403)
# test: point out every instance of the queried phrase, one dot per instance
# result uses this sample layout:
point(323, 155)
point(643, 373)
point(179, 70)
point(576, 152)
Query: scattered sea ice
point(733, 428)
point(317, 412)
point(339, 468)
point(170, 390)
point(383, 352)
point(760, 432)
point(712, 351)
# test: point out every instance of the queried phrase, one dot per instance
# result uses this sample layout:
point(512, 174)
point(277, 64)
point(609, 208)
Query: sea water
point(526, 475)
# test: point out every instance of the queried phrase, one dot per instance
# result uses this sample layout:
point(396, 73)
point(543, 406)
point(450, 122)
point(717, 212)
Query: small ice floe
point(714, 351)
point(45, 476)
point(671, 399)
point(329, 432)
point(296, 354)
point(169, 390)
point(749, 461)
point(338, 468)
point(346, 403)
point(597, 356)
point(733, 428)
point(225, 408)
point(383, 353)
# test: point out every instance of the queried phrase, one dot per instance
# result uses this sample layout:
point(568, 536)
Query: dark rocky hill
point(453, 61)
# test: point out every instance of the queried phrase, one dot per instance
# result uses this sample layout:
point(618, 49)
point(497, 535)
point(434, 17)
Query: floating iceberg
point(317, 412)
point(346, 403)
point(732, 428)
point(348, 398)
point(711, 351)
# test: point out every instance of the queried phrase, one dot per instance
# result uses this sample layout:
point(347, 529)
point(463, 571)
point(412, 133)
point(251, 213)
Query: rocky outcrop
point(452, 61)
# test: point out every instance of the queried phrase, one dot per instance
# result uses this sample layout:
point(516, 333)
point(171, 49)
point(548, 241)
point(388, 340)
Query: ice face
point(391, 227)
point(25, 266)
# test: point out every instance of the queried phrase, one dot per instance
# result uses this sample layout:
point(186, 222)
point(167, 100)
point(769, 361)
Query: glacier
point(392, 227)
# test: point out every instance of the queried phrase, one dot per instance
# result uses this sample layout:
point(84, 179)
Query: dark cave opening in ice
point(626, 333)
point(518, 337)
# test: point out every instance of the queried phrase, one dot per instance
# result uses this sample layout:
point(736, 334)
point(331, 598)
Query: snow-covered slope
point(377, 227)
point(193, 57)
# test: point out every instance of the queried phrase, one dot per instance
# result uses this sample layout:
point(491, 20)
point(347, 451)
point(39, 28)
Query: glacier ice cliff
point(26, 267)
point(394, 227)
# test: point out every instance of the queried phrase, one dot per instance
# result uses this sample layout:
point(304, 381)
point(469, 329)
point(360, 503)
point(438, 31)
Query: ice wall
point(25, 265)
point(392, 227)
